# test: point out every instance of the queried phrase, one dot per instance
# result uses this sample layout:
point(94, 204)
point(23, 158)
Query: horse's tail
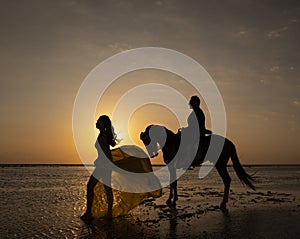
point(241, 173)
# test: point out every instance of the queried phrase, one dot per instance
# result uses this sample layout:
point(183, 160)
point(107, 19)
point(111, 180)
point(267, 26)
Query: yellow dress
point(134, 160)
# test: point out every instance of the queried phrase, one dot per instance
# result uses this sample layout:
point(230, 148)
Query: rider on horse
point(198, 122)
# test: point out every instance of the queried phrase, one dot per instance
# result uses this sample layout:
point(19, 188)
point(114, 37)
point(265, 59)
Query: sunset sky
point(250, 48)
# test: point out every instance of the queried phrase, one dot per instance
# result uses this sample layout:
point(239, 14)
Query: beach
point(47, 202)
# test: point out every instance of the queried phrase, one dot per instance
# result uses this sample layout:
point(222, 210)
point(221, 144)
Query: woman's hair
point(109, 130)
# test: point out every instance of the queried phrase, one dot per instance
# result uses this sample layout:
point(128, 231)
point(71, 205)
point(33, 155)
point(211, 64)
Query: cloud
point(273, 34)
point(119, 47)
point(277, 33)
point(292, 122)
point(242, 33)
point(296, 103)
point(274, 68)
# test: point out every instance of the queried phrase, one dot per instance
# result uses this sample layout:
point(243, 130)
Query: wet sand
point(47, 202)
point(249, 215)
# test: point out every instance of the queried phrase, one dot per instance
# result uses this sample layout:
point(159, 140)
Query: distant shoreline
point(153, 165)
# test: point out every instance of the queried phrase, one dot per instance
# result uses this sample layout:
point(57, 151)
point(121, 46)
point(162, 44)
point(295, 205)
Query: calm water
point(46, 202)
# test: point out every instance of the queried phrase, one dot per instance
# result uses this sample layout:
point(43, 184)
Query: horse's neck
point(172, 139)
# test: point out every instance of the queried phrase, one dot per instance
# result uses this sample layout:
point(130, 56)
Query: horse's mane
point(161, 126)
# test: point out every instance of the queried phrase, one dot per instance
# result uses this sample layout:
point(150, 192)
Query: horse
point(170, 145)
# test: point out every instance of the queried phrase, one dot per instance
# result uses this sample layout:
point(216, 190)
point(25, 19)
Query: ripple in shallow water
point(46, 202)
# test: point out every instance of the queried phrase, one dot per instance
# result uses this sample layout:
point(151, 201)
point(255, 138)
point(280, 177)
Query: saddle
point(201, 150)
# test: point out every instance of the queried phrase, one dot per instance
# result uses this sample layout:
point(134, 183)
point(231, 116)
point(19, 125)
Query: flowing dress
point(129, 186)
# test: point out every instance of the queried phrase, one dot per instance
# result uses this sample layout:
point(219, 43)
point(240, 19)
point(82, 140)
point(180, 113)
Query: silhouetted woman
point(105, 139)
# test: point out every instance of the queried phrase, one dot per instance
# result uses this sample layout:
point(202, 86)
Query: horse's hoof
point(223, 207)
point(169, 202)
point(173, 205)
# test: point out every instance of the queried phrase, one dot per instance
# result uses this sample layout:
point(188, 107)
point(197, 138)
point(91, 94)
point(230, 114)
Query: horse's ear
point(142, 135)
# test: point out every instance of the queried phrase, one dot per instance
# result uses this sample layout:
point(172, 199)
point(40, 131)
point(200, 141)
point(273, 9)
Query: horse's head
point(153, 137)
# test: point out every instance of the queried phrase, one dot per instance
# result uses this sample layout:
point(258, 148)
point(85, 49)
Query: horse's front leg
point(169, 201)
point(175, 193)
point(173, 188)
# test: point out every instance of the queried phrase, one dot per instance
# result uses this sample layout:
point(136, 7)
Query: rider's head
point(194, 101)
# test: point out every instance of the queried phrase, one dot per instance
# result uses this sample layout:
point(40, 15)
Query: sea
point(46, 201)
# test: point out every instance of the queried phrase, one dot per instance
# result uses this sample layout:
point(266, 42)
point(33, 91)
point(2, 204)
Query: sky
point(250, 48)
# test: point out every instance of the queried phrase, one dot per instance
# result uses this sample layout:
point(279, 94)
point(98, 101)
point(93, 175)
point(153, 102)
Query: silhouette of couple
point(107, 138)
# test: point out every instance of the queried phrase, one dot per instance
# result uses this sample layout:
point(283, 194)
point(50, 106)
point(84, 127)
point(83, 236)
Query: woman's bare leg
point(89, 198)
point(110, 198)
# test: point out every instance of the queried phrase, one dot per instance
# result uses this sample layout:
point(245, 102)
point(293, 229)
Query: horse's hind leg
point(169, 201)
point(222, 170)
point(175, 197)
point(173, 188)
point(175, 191)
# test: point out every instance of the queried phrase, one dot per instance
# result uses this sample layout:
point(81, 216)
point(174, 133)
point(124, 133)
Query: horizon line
point(92, 165)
